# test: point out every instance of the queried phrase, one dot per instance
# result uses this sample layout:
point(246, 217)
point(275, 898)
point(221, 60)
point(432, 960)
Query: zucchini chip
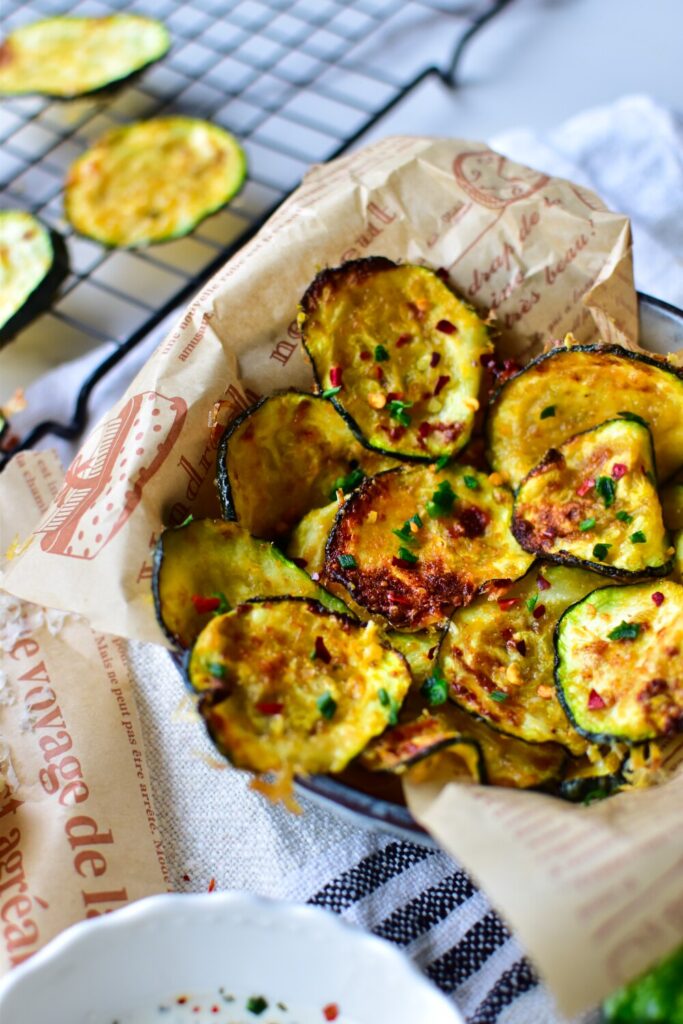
point(289, 453)
point(584, 783)
point(413, 544)
point(153, 180)
point(286, 684)
point(568, 390)
point(497, 657)
point(66, 57)
point(30, 269)
point(208, 566)
point(399, 354)
point(406, 745)
point(593, 501)
point(619, 662)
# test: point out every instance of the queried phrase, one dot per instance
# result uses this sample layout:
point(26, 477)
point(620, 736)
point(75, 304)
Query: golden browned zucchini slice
point(619, 664)
point(31, 267)
point(67, 56)
point(593, 501)
point(497, 657)
point(284, 456)
point(399, 354)
point(405, 745)
point(569, 390)
point(209, 566)
point(287, 684)
point(153, 180)
point(413, 544)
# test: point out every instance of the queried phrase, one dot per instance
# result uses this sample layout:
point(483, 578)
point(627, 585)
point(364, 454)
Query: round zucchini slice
point(406, 745)
point(399, 354)
point(209, 566)
point(593, 501)
point(287, 454)
point(152, 180)
point(30, 269)
point(497, 657)
point(66, 56)
point(286, 684)
point(619, 662)
point(413, 544)
point(571, 389)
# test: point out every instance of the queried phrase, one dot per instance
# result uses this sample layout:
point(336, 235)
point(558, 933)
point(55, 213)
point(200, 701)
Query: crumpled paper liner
point(540, 255)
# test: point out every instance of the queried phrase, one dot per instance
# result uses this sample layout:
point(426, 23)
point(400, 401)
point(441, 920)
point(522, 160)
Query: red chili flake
point(321, 650)
point(658, 597)
point(181, 1000)
point(543, 583)
point(403, 563)
point(506, 603)
point(441, 384)
point(215, 1009)
point(331, 1011)
point(205, 604)
point(403, 339)
point(595, 701)
point(539, 611)
point(365, 355)
point(300, 562)
point(269, 707)
point(446, 327)
point(619, 470)
point(425, 429)
point(186, 878)
point(435, 360)
point(335, 376)
point(398, 598)
point(585, 487)
point(212, 885)
point(394, 396)
point(378, 374)
point(432, 651)
point(507, 634)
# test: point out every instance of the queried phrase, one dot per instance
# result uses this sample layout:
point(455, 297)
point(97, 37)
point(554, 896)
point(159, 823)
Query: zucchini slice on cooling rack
point(285, 684)
point(65, 57)
point(593, 501)
point(399, 355)
point(32, 264)
point(152, 180)
point(571, 389)
point(413, 544)
point(209, 566)
point(619, 663)
point(287, 454)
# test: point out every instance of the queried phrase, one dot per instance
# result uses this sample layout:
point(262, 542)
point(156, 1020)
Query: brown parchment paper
point(544, 257)
point(78, 832)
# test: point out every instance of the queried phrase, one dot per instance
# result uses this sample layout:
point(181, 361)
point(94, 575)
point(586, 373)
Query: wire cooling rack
point(287, 77)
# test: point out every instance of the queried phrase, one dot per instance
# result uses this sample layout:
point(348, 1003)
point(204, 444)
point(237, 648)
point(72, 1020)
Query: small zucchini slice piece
point(31, 267)
point(585, 782)
point(152, 180)
point(209, 566)
point(400, 354)
point(592, 501)
point(288, 454)
point(497, 657)
point(619, 662)
point(406, 745)
point(286, 684)
point(67, 56)
point(413, 544)
point(571, 389)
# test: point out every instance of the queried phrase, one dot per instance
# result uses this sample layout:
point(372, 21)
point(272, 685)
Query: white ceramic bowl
point(168, 955)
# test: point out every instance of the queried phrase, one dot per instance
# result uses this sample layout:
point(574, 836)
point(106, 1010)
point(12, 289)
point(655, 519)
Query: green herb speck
point(499, 695)
point(257, 1004)
point(347, 561)
point(624, 517)
point(397, 411)
point(547, 412)
point(435, 689)
point(587, 524)
point(607, 490)
point(326, 705)
point(532, 602)
point(328, 392)
point(406, 555)
point(638, 537)
point(216, 669)
point(625, 631)
point(381, 354)
point(471, 482)
point(600, 551)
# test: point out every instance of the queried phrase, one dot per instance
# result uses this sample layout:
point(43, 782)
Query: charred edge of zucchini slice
point(265, 572)
point(334, 718)
point(558, 354)
point(406, 745)
point(573, 513)
point(617, 635)
point(587, 789)
point(455, 435)
point(152, 42)
point(30, 304)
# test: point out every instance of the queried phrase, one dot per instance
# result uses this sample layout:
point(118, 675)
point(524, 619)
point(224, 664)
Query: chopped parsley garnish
point(435, 688)
point(499, 695)
point(607, 490)
point(347, 561)
point(587, 524)
point(397, 411)
point(638, 537)
point(223, 603)
point(328, 392)
point(442, 461)
point(531, 602)
point(405, 533)
point(471, 482)
point(600, 551)
point(417, 520)
point(217, 669)
point(625, 631)
point(257, 1004)
point(407, 556)
point(381, 354)
point(387, 701)
point(442, 500)
point(188, 520)
point(548, 412)
point(326, 705)
point(633, 417)
point(624, 517)
point(347, 483)
point(384, 698)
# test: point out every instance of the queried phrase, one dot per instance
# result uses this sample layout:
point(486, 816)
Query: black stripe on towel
point(419, 915)
point(514, 982)
point(455, 966)
point(369, 874)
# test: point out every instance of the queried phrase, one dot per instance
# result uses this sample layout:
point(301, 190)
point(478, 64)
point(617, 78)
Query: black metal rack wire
point(282, 75)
